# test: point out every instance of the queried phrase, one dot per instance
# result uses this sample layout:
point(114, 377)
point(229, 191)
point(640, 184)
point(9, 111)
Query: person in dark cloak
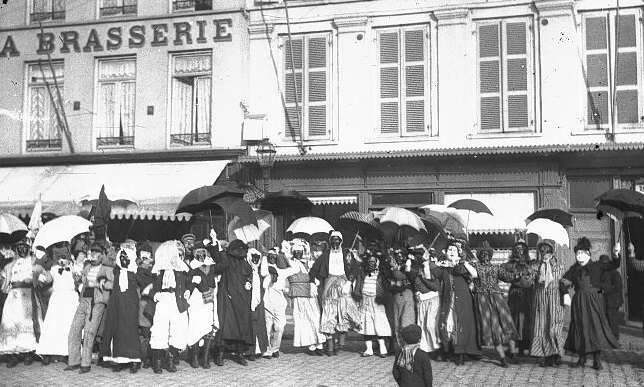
point(611, 284)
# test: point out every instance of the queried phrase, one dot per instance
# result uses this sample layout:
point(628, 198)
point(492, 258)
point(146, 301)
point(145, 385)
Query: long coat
point(121, 331)
point(233, 300)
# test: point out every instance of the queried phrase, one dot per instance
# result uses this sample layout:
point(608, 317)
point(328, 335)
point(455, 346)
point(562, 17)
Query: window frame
point(305, 104)
point(100, 7)
point(26, 123)
point(428, 63)
point(169, 111)
point(609, 16)
point(51, 19)
point(531, 77)
point(171, 6)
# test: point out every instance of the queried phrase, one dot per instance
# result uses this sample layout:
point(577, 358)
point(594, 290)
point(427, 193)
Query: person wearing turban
point(145, 277)
point(412, 366)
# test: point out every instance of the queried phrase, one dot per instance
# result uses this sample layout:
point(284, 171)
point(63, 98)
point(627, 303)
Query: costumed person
point(6, 256)
point(260, 281)
point(589, 331)
point(413, 366)
point(275, 302)
point(145, 277)
point(64, 301)
point(21, 320)
point(611, 284)
point(306, 309)
point(401, 290)
point(427, 290)
point(334, 270)
point(120, 343)
point(368, 291)
point(94, 283)
point(457, 318)
point(203, 322)
point(494, 321)
point(548, 310)
point(521, 293)
point(168, 334)
point(235, 332)
point(188, 241)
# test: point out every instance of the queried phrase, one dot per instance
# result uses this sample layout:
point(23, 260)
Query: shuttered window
point(608, 78)
point(505, 75)
point(307, 65)
point(403, 81)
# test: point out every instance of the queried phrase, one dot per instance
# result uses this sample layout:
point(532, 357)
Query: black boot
point(205, 363)
point(12, 361)
point(546, 362)
point(175, 355)
point(145, 355)
point(134, 367)
point(329, 347)
point(219, 359)
point(503, 363)
point(46, 360)
point(597, 364)
point(194, 356)
point(580, 363)
point(29, 359)
point(171, 366)
point(239, 357)
point(157, 357)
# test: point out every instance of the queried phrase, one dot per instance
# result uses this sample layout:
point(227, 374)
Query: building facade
point(521, 104)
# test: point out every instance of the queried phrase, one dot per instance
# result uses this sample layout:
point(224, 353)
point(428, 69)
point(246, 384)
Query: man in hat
point(95, 285)
point(20, 326)
point(335, 269)
point(412, 366)
point(188, 241)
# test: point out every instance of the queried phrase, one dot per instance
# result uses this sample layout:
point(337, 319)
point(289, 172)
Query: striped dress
point(548, 313)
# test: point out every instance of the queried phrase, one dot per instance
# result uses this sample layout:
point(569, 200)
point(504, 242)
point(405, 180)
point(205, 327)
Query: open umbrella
point(284, 201)
point(61, 229)
point(237, 229)
point(450, 219)
point(12, 229)
point(400, 224)
point(364, 224)
point(626, 201)
point(548, 229)
point(235, 206)
point(471, 205)
point(201, 198)
point(555, 214)
point(309, 225)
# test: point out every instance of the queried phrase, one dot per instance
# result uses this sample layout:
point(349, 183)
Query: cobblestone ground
point(621, 368)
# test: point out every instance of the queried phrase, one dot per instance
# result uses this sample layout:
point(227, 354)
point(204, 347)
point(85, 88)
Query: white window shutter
point(627, 70)
point(597, 70)
point(293, 86)
point(489, 76)
point(414, 81)
point(317, 87)
point(516, 70)
point(389, 82)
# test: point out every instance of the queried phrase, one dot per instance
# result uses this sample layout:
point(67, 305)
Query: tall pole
point(266, 176)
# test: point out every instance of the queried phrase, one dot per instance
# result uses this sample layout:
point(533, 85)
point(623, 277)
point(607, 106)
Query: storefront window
point(118, 7)
point(43, 127)
point(191, 99)
point(505, 75)
point(117, 81)
point(45, 10)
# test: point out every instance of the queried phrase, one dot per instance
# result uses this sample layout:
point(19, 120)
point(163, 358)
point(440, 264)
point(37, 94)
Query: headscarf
point(546, 269)
point(167, 259)
point(260, 269)
point(131, 255)
point(411, 335)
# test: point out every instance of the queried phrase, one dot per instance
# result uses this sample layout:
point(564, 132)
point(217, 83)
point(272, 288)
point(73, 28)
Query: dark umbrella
point(364, 224)
point(555, 214)
point(12, 229)
point(471, 205)
point(626, 201)
point(286, 201)
point(201, 198)
point(235, 206)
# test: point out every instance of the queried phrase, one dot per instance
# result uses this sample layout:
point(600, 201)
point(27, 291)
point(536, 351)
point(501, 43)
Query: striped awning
point(330, 200)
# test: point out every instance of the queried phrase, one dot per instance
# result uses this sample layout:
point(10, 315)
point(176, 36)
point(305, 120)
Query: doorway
point(634, 232)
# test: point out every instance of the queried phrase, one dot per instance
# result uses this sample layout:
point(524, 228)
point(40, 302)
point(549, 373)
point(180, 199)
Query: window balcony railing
point(125, 141)
point(119, 10)
point(38, 145)
point(44, 16)
point(191, 5)
point(190, 139)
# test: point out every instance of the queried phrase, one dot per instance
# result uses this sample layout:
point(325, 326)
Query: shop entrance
point(634, 232)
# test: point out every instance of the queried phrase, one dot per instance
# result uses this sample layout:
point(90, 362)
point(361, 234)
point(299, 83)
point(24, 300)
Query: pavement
point(622, 367)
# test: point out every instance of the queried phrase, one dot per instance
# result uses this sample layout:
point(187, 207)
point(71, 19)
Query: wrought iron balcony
point(126, 141)
point(119, 10)
point(44, 16)
point(50, 144)
point(196, 5)
point(190, 139)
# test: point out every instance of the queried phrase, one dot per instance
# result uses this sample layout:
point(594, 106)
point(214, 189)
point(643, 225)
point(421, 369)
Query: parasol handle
point(355, 239)
point(435, 239)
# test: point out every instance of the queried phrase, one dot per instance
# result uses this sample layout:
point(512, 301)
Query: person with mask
point(400, 289)
point(120, 344)
point(427, 291)
point(64, 302)
point(20, 325)
point(611, 284)
point(94, 284)
point(494, 321)
point(457, 322)
point(589, 331)
point(306, 310)
point(169, 331)
point(368, 292)
point(275, 301)
point(145, 277)
point(203, 322)
point(521, 293)
point(548, 311)
point(260, 281)
point(188, 241)
point(334, 269)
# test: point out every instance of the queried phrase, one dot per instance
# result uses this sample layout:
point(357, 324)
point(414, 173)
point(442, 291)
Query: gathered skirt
point(306, 322)
point(428, 320)
point(373, 321)
point(202, 317)
point(339, 310)
point(589, 328)
point(55, 328)
point(17, 327)
point(494, 321)
point(548, 314)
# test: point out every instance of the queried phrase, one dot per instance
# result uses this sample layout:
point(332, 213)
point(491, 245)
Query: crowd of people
point(135, 306)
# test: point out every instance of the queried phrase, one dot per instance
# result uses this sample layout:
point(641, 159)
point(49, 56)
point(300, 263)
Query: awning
point(329, 200)
point(509, 209)
point(157, 188)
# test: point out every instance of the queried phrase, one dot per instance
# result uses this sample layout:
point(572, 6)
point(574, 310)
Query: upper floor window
point(307, 74)
point(191, 5)
point(191, 99)
point(613, 69)
point(505, 75)
point(117, 7)
point(44, 131)
point(116, 88)
point(46, 10)
point(403, 81)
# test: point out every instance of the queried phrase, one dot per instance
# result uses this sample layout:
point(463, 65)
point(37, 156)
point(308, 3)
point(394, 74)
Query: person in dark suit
point(412, 367)
point(611, 284)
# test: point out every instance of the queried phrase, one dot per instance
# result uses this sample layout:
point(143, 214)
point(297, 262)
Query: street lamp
point(266, 157)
